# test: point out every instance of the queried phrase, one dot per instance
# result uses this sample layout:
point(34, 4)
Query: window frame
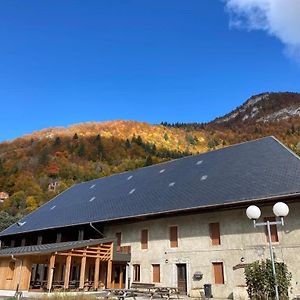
point(119, 240)
point(273, 229)
point(215, 240)
point(145, 243)
point(136, 273)
point(175, 245)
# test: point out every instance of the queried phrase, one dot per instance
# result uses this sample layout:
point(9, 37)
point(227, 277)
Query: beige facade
point(241, 243)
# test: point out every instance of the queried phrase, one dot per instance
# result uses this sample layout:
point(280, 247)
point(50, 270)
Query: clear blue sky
point(64, 62)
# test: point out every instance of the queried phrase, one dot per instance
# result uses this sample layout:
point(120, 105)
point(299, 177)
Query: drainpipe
point(96, 229)
point(20, 271)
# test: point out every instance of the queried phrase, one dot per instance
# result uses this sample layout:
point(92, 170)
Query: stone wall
point(241, 243)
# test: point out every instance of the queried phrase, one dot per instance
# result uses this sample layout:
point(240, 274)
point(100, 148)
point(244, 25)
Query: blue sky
point(65, 62)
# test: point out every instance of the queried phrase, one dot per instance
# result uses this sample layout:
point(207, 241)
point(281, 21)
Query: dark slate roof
point(258, 169)
point(50, 248)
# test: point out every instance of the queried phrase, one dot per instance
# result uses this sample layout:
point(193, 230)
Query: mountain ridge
point(264, 107)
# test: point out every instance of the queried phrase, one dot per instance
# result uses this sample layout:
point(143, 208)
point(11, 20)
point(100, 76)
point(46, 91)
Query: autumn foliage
point(36, 167)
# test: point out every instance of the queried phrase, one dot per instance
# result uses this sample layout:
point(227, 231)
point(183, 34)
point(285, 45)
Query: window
point(136, 273)
point(119, 239)
point(214, 231)
point(173, 236)
point(218, 272)
point(156, 273)
point(274, 233)
point(144, 239)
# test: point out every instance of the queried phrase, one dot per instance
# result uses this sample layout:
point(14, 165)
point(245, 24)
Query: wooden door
point(118, 276)
point(181, 278)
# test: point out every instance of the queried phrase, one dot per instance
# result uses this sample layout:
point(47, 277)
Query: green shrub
point(260, 280)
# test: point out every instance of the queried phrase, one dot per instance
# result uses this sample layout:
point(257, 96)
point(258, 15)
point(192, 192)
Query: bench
point(151, 290)
point(140, 285)
point(166, 291)
point(121, 294)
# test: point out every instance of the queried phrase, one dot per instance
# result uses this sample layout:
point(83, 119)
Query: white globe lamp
point(280, 209)
point(253, 212)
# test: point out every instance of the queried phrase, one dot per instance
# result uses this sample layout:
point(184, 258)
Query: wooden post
point(121, 277)
point(50, 272)
point(67, 272)
point(25, 274)
point(97, 269)
point(82, 271)
point(109, 273)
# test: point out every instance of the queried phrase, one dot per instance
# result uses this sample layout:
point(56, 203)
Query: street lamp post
point(280, 210)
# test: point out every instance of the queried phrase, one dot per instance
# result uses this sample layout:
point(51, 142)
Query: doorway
point(118, 276)
point(181, 279)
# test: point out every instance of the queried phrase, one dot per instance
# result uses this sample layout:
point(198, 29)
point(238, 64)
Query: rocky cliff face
point(264, 108)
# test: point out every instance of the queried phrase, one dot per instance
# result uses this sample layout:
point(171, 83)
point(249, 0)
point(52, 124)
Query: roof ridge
point(285, 147)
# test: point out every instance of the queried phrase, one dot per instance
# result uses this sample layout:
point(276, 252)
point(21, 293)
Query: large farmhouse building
point(177, 224)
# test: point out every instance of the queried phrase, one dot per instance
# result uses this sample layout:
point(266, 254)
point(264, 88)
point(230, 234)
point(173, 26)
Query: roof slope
point(253, 170)
point(50, 248)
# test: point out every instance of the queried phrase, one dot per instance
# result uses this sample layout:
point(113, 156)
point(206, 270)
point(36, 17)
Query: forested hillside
point(36, 167)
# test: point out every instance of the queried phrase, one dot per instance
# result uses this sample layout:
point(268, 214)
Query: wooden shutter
point(218, 273)
point(274, 233)
point(156, 273)
point(144, 239)
point(214, 229)
point(173, 236)
point(119, 239)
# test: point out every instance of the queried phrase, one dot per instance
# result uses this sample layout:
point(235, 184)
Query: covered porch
point(69, 266)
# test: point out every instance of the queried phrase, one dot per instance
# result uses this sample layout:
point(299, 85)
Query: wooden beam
point(82, 272)
point(67, 272)
point(96, 273)
point(102, 257)
point(101, 247)
point(50, 272)
point(90, 252)
point(109, 273)
point(111, 251)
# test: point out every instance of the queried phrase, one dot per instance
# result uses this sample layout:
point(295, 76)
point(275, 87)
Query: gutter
point(91, 224)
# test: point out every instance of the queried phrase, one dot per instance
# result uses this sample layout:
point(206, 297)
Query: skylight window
point(204, 177)
point(161, 171)
point(52, 207)
point(199, 162)
point(132, 191)
point(92, 186)
point(21, 223)
point(171, 183)
point(92, 199)
point(129, 177)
